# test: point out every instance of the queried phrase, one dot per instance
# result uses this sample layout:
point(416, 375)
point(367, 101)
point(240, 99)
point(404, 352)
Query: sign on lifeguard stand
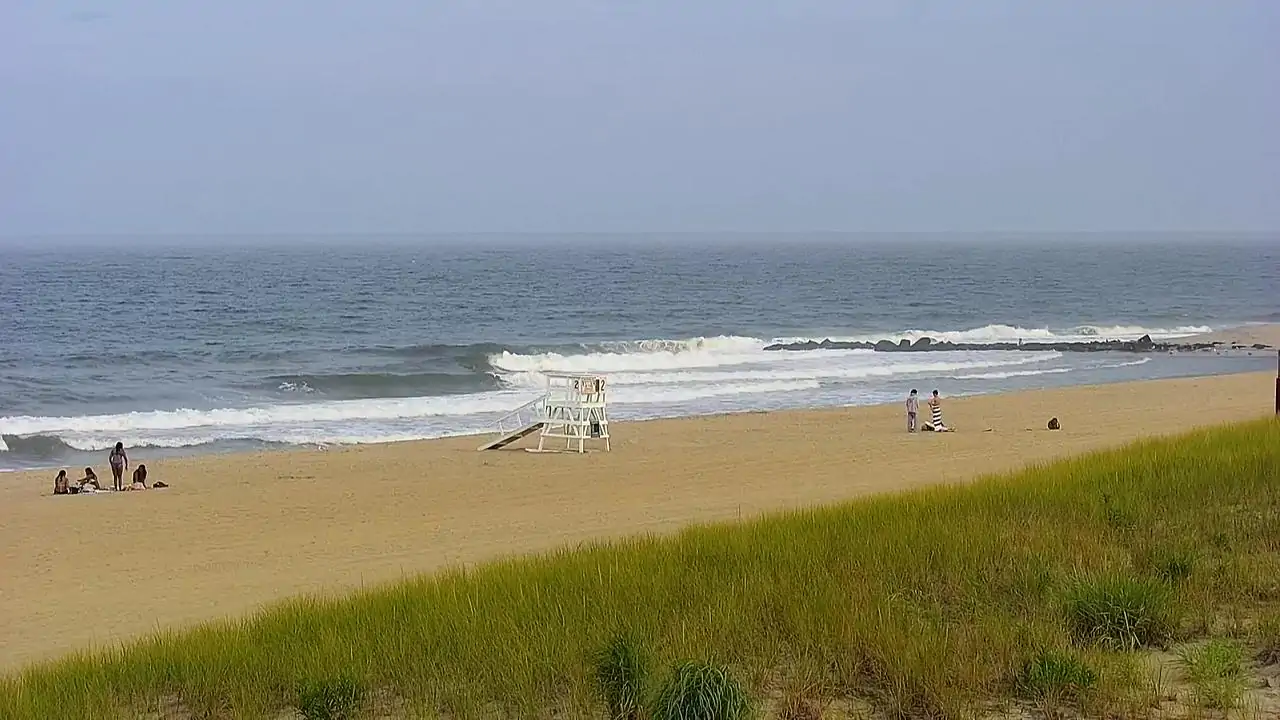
point(575, 411)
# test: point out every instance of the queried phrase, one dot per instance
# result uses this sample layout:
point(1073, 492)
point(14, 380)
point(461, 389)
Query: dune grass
point(1216, 672)
point(928, 604)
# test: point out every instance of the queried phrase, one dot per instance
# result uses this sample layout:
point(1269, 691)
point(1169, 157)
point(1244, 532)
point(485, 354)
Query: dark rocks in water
point(1054, 424)
point(925, 344)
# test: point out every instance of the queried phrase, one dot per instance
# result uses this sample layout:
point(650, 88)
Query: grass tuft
point(797, 707)
point(1055, 677)
point(622, 671)
point(1119, 516)
point(1267, 633)
point(338, 698)
point(1173, 565)
point(1216, 672)
point(1120, 613)
point(700, 691)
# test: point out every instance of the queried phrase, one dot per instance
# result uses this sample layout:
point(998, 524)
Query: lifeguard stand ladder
point(575, 411)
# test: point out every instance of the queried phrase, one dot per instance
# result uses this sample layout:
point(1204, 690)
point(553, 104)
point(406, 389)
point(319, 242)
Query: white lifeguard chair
point(572, 409)
point(575, 411)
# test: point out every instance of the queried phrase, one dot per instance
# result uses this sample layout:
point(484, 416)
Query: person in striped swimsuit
point(935, 412)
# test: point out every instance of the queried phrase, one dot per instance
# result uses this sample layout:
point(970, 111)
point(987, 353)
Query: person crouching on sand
point(913, 411)
point(119, 462)
point(90, 478)
point(139, 478)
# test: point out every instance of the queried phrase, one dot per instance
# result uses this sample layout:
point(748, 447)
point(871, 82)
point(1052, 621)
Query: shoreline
point(236, 447)
point(233, 532)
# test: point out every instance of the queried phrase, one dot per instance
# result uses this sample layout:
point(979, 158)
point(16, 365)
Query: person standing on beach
point(913, 411)
point(935, 411)
point(119, 461)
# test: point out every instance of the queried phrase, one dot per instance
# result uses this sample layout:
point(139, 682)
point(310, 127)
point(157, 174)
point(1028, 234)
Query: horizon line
point(561, 233)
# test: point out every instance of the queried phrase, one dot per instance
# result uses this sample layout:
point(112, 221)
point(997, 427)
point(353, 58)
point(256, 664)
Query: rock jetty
point(1143, 344)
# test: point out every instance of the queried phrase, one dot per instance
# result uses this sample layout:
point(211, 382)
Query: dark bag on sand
point(159, 485)
point(1054, 424)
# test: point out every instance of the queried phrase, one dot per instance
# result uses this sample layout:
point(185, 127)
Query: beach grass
point(1042, 586)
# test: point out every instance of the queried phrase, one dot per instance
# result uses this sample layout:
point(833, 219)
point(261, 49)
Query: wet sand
point(234, 532)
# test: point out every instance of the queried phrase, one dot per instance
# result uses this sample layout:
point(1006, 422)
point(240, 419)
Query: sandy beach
point(234, 532)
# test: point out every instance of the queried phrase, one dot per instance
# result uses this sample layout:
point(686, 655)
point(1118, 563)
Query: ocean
point(181, 345)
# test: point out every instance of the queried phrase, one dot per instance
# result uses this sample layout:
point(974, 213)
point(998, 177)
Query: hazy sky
point(157, 116)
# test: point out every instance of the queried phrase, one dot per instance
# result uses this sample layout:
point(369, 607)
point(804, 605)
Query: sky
point(284, 116)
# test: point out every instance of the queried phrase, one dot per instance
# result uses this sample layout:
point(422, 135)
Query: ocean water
point(205, 344)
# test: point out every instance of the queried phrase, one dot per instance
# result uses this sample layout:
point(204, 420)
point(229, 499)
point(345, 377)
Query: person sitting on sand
point(61, 486)
point(90, 478)
point(139, 478)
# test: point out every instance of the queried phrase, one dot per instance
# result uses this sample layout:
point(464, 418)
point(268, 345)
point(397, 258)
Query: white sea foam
point(1005, 375)
point(1012, 334)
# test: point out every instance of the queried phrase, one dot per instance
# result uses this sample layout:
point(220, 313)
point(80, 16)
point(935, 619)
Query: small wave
point(36, 446)
point(1012, 374)
point(384, 384)
point(1049, 371)
point(636, 355)
point(263, 416)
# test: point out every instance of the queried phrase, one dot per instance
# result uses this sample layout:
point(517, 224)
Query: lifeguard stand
point(574, 408)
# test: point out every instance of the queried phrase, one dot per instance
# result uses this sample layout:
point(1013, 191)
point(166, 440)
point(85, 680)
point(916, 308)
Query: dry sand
point(234, 532)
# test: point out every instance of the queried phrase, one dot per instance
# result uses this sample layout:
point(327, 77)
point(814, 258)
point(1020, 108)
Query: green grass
point(1267, 634)
point(928, 604)
point(622, 675)
point(1121, 612)
point(698, 691)
point(1057, 677)
point(339, 698)
point(1216, 673)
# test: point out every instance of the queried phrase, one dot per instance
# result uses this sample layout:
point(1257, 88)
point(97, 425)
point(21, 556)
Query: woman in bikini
point(90, 479)
point(139, 478)
point(119, 461)
point(61, 485)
